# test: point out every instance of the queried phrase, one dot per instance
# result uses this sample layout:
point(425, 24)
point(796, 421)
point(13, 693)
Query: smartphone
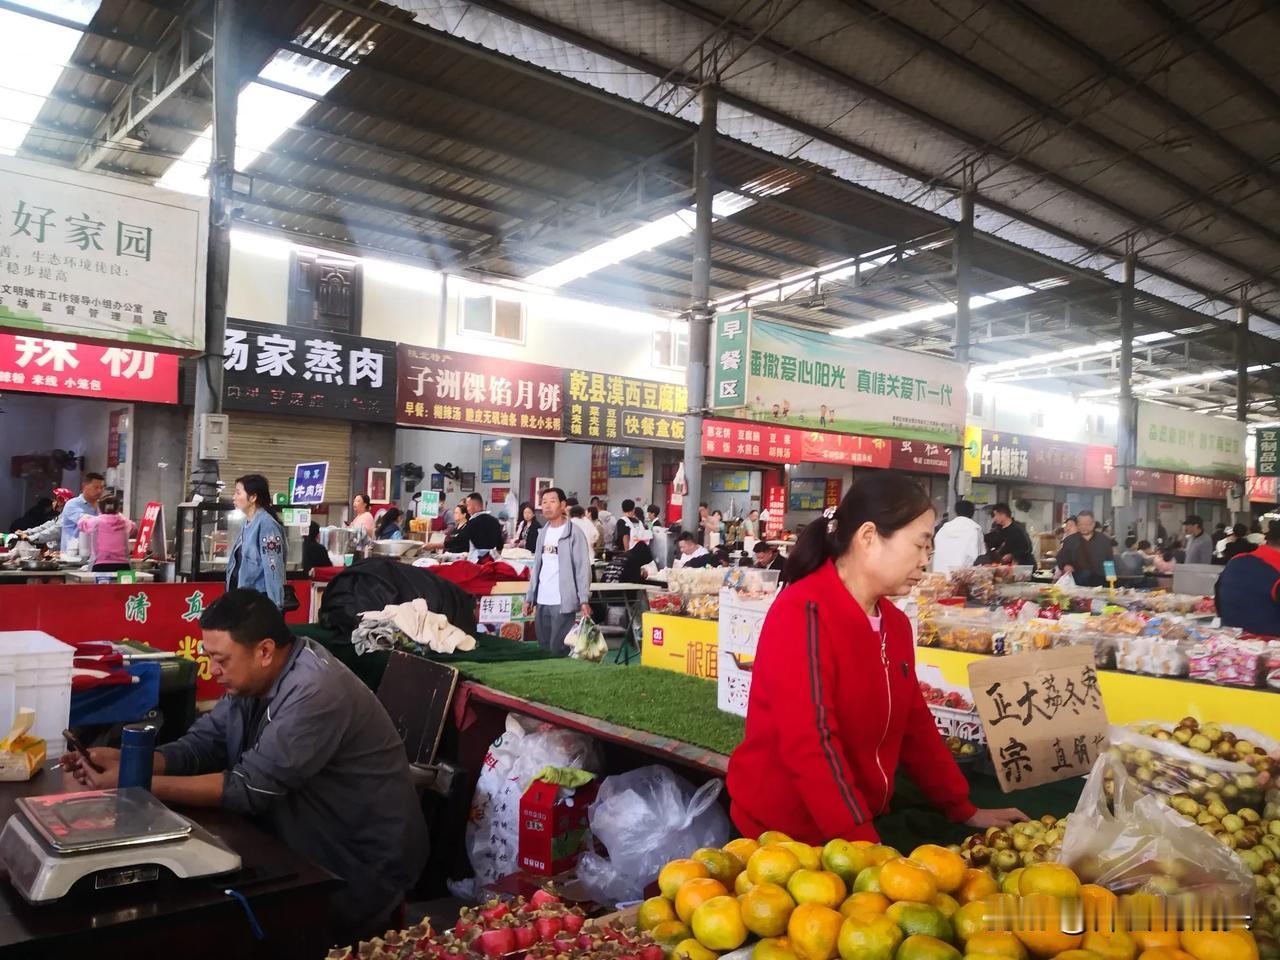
point(73, 743)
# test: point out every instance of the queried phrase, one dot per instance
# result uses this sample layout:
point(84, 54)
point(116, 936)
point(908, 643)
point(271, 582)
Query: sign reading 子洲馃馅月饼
point(311, 373)
point(99, 258)
point(461, 391)
point(608, 408)
point(1042, 714)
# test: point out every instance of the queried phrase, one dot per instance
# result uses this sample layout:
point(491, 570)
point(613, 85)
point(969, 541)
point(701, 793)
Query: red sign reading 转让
point(67, 369)
point(461, 391)
point(729, 440)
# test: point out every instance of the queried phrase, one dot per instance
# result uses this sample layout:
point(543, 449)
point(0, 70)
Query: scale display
point(102, 819)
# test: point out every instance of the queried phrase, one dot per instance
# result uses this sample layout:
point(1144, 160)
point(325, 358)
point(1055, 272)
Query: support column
point(699, 304)
point(964, 291)
point(1245, 515)
point(442, 315)
point(208, 369)
point(1126, 446)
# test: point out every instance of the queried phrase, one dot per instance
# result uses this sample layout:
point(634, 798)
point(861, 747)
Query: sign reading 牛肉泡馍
point(1042, 714)
point(98, 258)
point(820, 382)
point(1182, 441)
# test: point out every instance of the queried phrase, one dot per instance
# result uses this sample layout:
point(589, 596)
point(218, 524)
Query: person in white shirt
point(692, 554)
point(578, 517)
point(958, 542)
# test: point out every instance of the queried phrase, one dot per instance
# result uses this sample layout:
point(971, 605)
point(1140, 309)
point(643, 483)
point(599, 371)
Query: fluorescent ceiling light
point(648, 236)
point(34, 55)
point(939, 310)
point(1054, 357)
point(263, 114)
point(1160, 386)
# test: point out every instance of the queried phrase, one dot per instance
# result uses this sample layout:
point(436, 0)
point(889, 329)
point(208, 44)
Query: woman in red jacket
point(835, 705)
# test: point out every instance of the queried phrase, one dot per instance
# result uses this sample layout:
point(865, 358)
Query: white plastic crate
point(41, 666)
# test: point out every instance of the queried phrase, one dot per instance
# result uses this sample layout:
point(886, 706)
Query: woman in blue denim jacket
point(257, 558)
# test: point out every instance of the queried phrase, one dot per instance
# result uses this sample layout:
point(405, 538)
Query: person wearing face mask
point(835, 706)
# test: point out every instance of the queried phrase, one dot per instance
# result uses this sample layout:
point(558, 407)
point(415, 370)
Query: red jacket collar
point(1266, 553)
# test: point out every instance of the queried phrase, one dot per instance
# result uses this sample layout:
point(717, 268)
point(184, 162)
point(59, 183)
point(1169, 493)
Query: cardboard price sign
point(1042, 714)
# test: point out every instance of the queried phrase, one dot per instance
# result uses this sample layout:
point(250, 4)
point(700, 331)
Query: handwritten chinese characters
point(1042, 714)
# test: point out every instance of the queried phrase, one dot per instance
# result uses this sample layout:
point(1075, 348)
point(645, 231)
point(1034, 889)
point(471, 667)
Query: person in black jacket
point(1009, 538)
point(313, 553)
point(482, 530)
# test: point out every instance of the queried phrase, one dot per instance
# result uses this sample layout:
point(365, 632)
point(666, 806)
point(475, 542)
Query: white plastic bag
point(1142, 845)
point(585, 641)
point(1066, 580)
point(645, 818)
point(493, 829)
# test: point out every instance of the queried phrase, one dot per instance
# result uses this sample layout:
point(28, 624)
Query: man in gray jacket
point(560, 583)
point(304, 748)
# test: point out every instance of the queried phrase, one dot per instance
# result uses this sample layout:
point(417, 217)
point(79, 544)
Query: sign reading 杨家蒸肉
point(781, 374)
point(313, 373)
point(1181, 441)
point(90, 257)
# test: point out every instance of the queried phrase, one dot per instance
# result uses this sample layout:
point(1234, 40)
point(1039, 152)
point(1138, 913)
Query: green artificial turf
point(643, 698)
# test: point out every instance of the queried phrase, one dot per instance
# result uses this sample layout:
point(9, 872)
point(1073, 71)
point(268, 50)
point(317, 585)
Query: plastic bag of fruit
point(645, 818)
point(1137, 844)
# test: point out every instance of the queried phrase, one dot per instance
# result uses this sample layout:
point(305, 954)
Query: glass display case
point(207, 530)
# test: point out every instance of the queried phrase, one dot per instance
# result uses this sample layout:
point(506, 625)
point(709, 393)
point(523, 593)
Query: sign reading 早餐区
point(39, 365)
point(98, 258)
point(1042, 714)
point(461, 391)
point(615, 409)
point(294, 370)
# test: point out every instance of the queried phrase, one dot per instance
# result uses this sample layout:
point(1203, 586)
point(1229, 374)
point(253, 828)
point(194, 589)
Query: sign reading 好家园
point(819, 382)
point(99, 258)
point(293, 370)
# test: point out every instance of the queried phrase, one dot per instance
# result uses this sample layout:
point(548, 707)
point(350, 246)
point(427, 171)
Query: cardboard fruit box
point(553, 830)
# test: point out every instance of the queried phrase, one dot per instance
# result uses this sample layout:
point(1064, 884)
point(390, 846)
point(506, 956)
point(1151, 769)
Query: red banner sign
point(1203, 488)
point(775, 502)
point(66, 369)
point(1100, 472)
point(460, 391)
point(1262, 489)
point(146, 529)
point(846, 449)
point(831, 499)
point(916, 456)
point(725, 439)
point(164, 615)
point(599, 470)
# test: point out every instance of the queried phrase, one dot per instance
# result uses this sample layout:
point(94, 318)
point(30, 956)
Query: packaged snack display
point(1273, 664)
point(1228, 660)
point(1156, 655)
point(957, 628)
point(666, 603)
point(703, 606)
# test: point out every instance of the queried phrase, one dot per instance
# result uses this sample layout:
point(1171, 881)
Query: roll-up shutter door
point(273, 446)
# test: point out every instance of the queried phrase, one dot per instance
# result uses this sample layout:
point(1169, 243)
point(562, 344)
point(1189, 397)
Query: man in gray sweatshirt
point(560, 582)
point(300, 745)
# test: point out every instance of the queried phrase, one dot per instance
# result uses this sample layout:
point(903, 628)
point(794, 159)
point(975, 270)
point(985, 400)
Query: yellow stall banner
point(681, 644)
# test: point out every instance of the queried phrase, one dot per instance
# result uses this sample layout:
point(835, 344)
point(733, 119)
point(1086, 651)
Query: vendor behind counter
point(303, 747)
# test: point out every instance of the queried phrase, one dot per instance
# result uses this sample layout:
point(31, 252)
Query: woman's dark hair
point(391, 518)
point(525, 505)
point(256, 486)
point(364, 497)
point(888, 499)
point(108, 505)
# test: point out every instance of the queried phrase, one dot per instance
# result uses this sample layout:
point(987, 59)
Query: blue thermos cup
point(137, 754)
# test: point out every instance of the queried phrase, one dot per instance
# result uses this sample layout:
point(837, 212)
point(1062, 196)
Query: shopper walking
point(958, 542)
point(257, 558)
point(560, 581)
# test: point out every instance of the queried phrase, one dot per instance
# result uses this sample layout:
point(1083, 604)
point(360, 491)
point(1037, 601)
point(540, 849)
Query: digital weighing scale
point(107, 839)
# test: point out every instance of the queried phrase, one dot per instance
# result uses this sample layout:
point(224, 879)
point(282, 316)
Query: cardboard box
point(553, 831)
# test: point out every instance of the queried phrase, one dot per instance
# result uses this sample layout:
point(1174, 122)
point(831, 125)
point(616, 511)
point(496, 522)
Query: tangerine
point(864, 903)
point(1100, 908)
point(695, 893)
point(809, 858)
point(817, 886)
point(766, 908)
point(654, 911)
point(922, 918)
point(947, 867)
point(720, 865)
point(774, 948)
point(868, 881)
point(868, 938)
point(717, 923)
point(742, 883)
point(881, 853)
point(814, 931)
point(773, 836)
point(903, 879)
point(971, 920)
point(1164, 953)
point(772, 864)
point(1220, 944)
point(976, 885)
point(947, 904)
point(1000, 943)
point(1011, 880)
point(1110, 946)
point(1050, 878)
point(1078, 955)
point(921, 947)
point(670, 932)
point(691, 949)
point(845, 860)
point(1039, 926)
point(742, 848)
point(1146, 940)
point(676, 874)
